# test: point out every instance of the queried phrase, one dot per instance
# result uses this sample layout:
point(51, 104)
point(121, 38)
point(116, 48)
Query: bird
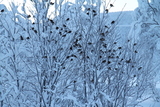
point(67, 19)
point(27, 38)
point(28, 16)
point(21, 38)
point(111, 5)
point(117, 56)
point(60, 33)
point(71, 60)
point(87, 13)
point(106, 26)
point(102, 34)
point(103, 61)
point(106, 10)
point(116, 69)
point(73, 56)
point(63, 35)
point(135, 44)
point(64, 25)
point(71, 48)
point(109, 68)
point(2, 10)
point(67, 57)
point(119, 47)
point(88, 9)
point(92, 80)
point(57, 27)
point(109, 62)
point(113, 22)
point(139, 68)
point(53, 57)
point(35, 31)
point(51, 3)
point(89, 43)
point(69, 31)
point(109, 50)
point(128, 61)
point(44, 56)
point(51, 21)
point(105, 45)
point(94, 11)
point(94, 14)
point(102, 39)
point(136, 51)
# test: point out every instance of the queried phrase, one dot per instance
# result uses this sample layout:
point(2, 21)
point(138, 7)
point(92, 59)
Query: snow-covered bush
point(63, 54)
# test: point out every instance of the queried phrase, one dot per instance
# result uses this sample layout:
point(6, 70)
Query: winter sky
point(118, 5)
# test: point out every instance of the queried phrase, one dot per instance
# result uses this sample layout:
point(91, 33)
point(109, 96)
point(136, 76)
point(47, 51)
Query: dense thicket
point(62, 54)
